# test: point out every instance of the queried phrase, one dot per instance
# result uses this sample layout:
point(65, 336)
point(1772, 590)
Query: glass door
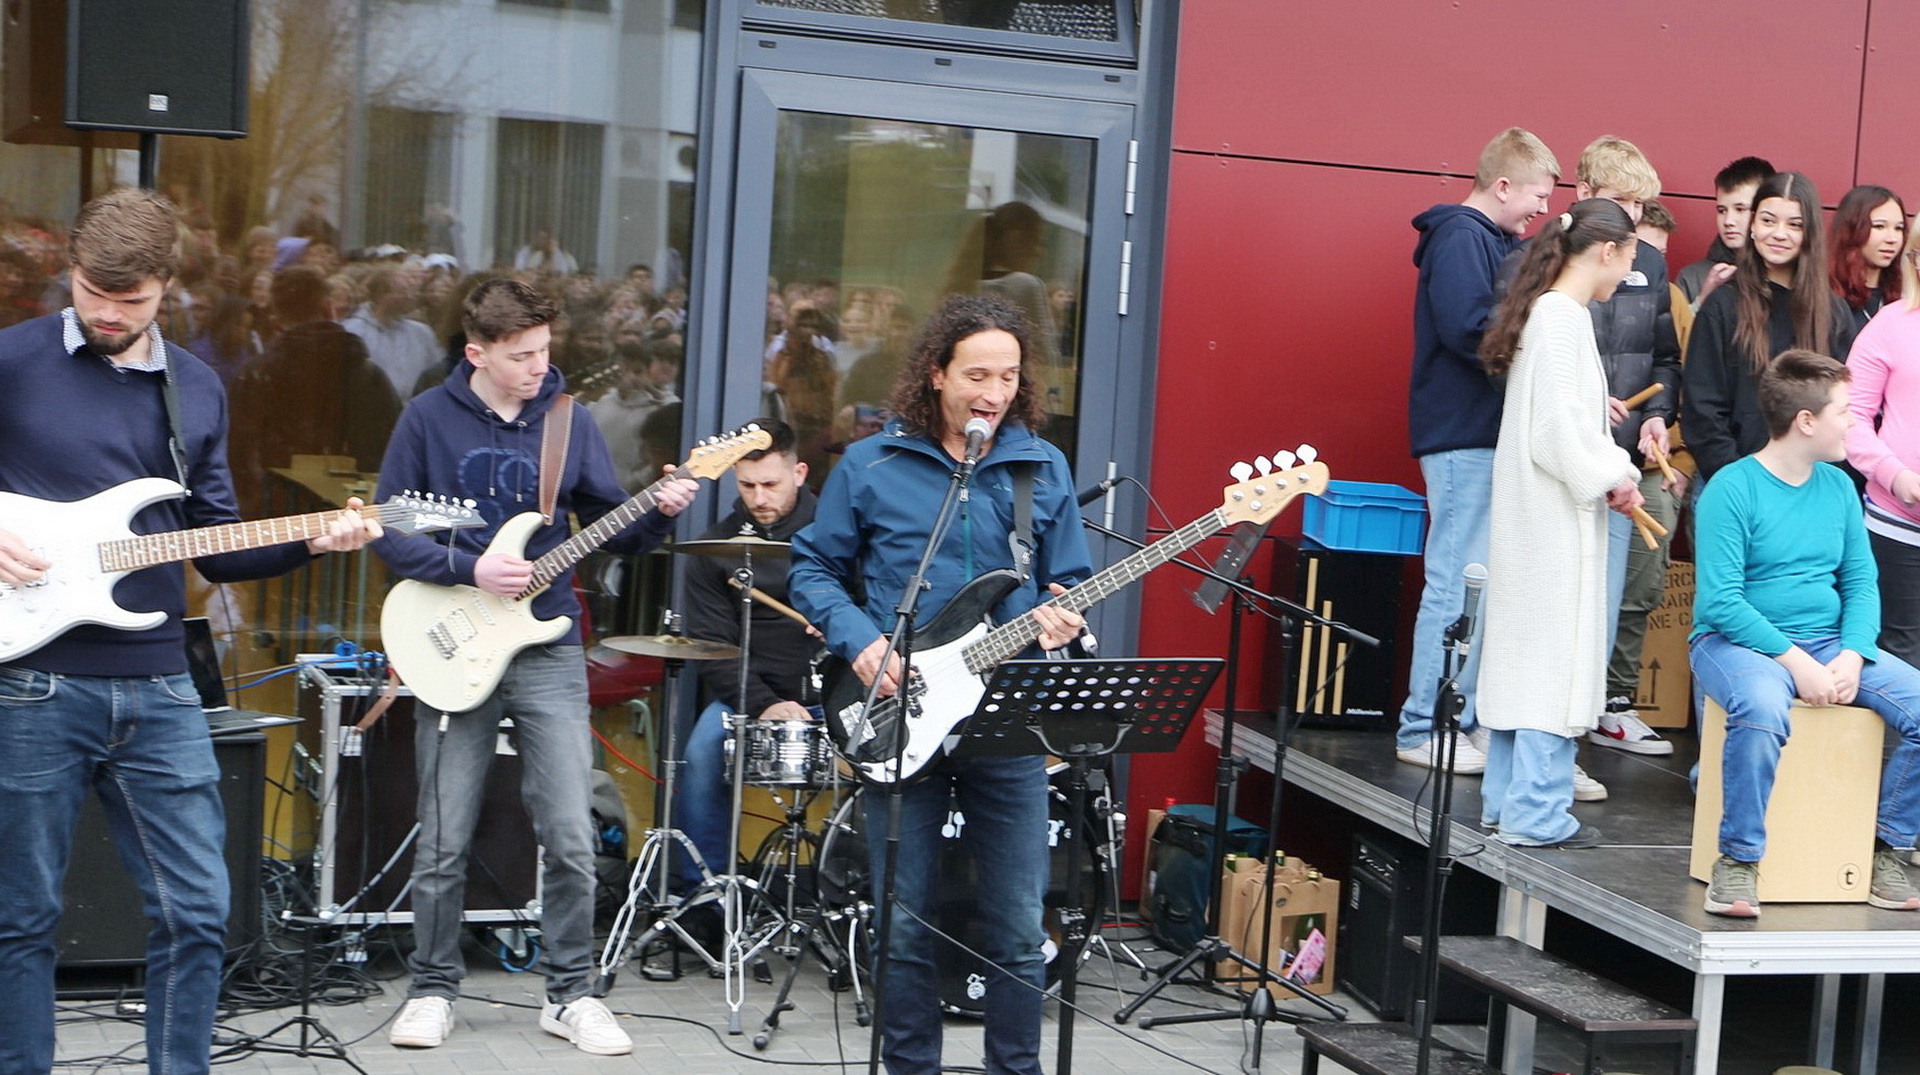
point(860, 204)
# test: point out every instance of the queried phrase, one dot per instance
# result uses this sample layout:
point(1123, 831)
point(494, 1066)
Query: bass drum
point(845, 879)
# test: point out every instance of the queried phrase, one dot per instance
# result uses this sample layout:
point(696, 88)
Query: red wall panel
point(1422, 84)
point(1890, 104)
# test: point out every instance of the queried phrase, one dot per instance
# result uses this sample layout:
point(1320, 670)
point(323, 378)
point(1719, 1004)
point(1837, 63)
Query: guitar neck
point(148, 550)
point(563, 556)
point(1008, 639)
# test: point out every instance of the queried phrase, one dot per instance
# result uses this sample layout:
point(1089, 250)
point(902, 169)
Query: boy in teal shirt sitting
point(1788, 607)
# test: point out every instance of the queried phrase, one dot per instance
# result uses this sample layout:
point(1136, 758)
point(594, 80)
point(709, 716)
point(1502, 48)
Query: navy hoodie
point(449, 442)
point(1451, 404)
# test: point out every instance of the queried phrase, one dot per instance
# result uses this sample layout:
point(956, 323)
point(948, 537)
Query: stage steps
point(1380, 1049)
point(1601, 1011)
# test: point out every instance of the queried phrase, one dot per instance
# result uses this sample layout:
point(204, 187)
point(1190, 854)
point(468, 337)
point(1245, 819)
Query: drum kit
point(804, 891)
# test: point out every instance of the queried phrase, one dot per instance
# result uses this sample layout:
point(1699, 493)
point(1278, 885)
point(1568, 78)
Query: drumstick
point(1660, 457)
point(1646, 535)
point(772, 603)
point(1643, 395)
point(1648, 526)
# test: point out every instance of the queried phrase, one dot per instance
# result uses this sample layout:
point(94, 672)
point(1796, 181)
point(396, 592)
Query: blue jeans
point(1004, 801)
point(1757, 693)
point(1459, 493)
point(142, 744)
point(1527, 789)
point(545, 693)
point(1620, 536)
point(703, 803)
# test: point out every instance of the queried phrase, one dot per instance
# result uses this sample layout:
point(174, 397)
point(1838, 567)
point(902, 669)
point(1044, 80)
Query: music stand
point(1078, 710)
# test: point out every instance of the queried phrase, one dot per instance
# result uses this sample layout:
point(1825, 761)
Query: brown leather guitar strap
point(553, 452)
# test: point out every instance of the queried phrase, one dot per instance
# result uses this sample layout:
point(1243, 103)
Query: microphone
point(1475, 577)
point(1099, 489)
point(978, 430)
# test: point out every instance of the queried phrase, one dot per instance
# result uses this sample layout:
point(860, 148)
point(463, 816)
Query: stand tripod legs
point(653, 856)
point(810, 935)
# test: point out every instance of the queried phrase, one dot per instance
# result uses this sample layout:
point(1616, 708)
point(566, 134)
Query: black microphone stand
point(1449, 704)
point(900, 643)
point(1211, 950)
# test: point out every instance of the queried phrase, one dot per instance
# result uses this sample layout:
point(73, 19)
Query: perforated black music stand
point(1078, 710)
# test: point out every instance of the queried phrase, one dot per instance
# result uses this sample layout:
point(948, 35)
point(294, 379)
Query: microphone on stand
point(1099, 489)
point(978, 430)
point(1475, 577)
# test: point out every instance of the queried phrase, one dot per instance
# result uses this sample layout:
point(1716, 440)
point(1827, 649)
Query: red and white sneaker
point(1622, 729)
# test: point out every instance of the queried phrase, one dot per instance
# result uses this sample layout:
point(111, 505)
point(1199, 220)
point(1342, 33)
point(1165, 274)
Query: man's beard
point(108, 346)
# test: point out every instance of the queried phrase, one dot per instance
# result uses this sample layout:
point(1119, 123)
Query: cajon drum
point(1820, 819)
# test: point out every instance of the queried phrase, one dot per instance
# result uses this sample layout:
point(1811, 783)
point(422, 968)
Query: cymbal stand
point(653, 866)
point(1111, 849)
point(811, 928)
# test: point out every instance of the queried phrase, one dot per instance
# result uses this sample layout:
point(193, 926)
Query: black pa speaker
point(103, 924)
point(165, 66)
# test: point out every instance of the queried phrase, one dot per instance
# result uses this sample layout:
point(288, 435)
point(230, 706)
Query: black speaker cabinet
point(103, 925)
point(372, 802)
point(1385, 898)
point(165, 66)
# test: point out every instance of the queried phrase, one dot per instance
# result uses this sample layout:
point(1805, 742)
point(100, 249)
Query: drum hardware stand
point(1115, 822)
point(1258, 1005)
point(1079, 710)
point(808, 931)
point(653, 866)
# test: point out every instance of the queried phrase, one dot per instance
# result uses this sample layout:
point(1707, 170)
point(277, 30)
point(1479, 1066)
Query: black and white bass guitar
point(960, 646)
point(92, 547)
point(451, 644)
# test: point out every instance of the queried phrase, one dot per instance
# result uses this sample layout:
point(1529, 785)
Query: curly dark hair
point(915, 399)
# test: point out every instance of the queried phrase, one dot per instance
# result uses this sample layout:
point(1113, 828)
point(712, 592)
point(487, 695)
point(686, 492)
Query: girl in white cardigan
point(1556, 470)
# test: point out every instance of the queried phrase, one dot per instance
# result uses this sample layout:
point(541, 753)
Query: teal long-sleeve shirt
point(1776, 562)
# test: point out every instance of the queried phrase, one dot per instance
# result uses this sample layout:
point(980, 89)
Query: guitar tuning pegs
point(1308, 454)
point(1241, 471)
point(1283, 459)
point(1262, 464)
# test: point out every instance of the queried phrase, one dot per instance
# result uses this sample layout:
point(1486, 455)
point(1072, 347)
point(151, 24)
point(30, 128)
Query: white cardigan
point(1543, 657)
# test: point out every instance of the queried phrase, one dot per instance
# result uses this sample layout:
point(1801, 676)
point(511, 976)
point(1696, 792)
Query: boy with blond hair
point(1454, 410)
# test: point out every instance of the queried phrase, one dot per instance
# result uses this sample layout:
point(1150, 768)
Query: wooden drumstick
point(1643, 395)
point(773, 603)
point(1660, 457)
point(1648, 526)
point(1646, 535)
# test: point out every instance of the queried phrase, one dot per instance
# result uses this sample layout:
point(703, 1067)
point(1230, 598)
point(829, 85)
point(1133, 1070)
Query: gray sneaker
point(1892, 889)
point(1735, 888)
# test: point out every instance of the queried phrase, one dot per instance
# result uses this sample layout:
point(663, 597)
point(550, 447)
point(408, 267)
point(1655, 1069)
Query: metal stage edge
point(1534, 880)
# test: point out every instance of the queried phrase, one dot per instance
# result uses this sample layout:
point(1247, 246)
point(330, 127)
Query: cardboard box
point(1305, 922)
point(1665, 696)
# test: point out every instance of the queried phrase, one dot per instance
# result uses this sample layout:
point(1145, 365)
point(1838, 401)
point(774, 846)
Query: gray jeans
point(545, 693)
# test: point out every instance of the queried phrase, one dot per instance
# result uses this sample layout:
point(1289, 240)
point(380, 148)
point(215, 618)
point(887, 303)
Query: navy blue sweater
point(1451, 404)
point(449, 442)
point(71, 426)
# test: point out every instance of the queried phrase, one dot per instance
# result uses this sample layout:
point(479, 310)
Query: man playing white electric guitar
point(480, 435)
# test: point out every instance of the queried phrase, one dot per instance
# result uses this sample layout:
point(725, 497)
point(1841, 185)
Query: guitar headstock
point(418, 513)
point(711, 457)
point(1264, 487)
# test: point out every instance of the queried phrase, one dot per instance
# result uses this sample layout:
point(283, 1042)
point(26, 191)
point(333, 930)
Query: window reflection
point(874, 221)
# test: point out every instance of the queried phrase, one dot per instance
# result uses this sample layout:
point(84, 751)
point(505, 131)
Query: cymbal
point(673, 647)
point(733, 547)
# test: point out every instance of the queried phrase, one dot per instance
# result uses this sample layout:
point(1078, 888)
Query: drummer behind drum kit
point(777, 904)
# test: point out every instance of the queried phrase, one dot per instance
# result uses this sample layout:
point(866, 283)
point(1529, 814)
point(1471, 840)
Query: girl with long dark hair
point(1778, 299)
point(1556, 469)
point(1869, 231)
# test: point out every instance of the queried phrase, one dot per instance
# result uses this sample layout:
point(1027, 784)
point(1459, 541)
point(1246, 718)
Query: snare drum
point(781, 753)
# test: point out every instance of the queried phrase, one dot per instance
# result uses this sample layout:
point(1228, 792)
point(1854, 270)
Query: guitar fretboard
point(571, 551)
point(147, 550)
point(1008, 639)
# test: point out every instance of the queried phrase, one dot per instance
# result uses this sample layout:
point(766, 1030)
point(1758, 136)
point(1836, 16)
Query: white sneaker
point(423, 1023)
point(1621, 728)
point(1588, 790)
point(588, 1024)
point(1482, 740)
point(1468, 760)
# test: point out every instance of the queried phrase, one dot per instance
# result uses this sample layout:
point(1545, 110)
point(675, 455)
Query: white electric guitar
point(960, 646)
point(92, 547)
point(451, 644)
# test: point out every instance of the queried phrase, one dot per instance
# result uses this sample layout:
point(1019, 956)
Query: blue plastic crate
point(1367, 517)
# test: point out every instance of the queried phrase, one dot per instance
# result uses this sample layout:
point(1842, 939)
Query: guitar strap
point(554, 436)
point(1021, 540)
point(176, 439)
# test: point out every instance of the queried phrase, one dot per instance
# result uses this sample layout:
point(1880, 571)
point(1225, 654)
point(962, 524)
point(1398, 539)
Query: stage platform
point(1635, 886)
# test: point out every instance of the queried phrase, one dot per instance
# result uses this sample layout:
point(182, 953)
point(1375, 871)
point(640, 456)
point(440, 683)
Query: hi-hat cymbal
point(733, 547)
point(674, 647)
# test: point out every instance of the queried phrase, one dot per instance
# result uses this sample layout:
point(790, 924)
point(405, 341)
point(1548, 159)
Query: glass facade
point(399, 152)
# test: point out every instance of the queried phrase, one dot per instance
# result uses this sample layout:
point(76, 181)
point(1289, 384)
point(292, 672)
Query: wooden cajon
point(1820, 819)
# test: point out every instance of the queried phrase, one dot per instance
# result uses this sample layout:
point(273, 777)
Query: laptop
point(203, 663)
